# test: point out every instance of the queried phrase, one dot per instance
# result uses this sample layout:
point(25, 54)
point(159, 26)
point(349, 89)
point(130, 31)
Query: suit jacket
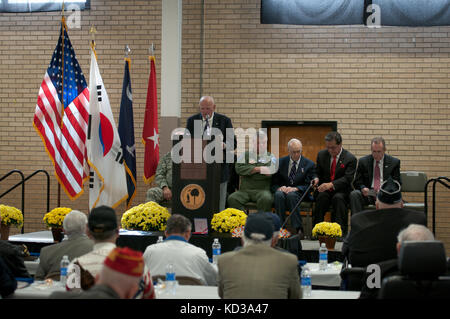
point(306, 172)
point(258, 272)
point(364, 172)
point(345, 170)
point(221, 122)
point(373, 234)
point(50, 257)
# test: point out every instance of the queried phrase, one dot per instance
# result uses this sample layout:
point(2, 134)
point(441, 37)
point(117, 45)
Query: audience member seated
point(162, 192)
point(102, 229)
point(422, 267)
point(188, 260)
point(257, 270)
point(77, 244)
point(8, 283)
point(255, 168)
point(120, 278)
point(389, 267)
point(372, 236)
point(335, 170)
point(294, 175)
point(371, 172)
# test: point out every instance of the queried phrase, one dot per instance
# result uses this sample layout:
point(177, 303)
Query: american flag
point(61, 116)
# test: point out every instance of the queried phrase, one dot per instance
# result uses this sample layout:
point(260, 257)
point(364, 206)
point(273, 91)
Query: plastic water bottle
point(323, 257)
point(160, 239)
point(170, 279)
point(63, 270)
point(305, 280)
point(216, 247)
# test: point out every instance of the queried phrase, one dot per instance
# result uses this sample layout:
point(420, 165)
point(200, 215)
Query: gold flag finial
point(92, 32)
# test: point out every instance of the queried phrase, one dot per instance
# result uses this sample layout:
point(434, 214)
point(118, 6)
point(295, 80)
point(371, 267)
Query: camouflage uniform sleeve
point(244, 167)
point(162, 170)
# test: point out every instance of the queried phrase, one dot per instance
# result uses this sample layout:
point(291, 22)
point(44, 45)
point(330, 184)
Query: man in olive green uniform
point(255, 171)
point(162, 192)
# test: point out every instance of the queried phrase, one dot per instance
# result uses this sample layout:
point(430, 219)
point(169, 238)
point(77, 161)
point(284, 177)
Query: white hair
point(75, 223)
point(415, 232)
point(257, 239)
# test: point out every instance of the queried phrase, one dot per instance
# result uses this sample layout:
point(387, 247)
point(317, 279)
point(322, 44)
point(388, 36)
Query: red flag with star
point(150, 135)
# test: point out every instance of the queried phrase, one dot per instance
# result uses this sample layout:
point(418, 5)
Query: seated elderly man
point(389, 267)
point(76, 245)
point(258, 270)
point(373, 234)
point(255, 168)
point(188, 260)
point(119, 278)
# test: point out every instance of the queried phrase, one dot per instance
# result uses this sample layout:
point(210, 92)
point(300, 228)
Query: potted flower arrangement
point(228, 220)
point(327, 232)
point(9, 216)
point(147, 216)
point(54, 220)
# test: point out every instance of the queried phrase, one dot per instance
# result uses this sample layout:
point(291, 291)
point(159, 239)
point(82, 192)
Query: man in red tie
point(372, 171)
point(335, 170)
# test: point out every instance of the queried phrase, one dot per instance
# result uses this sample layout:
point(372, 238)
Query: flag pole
point(63, 27)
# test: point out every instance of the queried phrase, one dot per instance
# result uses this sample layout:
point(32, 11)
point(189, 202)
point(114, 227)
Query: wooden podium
point(195, 183)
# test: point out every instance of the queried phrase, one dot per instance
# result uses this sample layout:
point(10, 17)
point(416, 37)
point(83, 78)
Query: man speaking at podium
point(210, 119)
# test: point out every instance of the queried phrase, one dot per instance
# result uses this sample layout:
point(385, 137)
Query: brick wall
point(390, 81)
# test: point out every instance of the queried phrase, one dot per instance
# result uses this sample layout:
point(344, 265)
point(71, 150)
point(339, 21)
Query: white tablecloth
point(329, 277)
point(37, 290)
point(209, 292)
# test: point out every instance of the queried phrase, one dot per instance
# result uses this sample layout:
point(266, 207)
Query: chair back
point(421, 263)
point(413, 181)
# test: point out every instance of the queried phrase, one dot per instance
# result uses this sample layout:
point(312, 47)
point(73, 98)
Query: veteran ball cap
point(102, 219)
point(258, 227)
point(390, 192)
point(126, 261)
point(274, 219)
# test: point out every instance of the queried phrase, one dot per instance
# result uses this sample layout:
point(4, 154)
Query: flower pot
point(58, 234)
point(4, 231)
point(330, 242)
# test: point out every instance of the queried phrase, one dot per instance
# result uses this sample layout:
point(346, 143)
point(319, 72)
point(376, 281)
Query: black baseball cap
point(258, 223)
point(102, 219)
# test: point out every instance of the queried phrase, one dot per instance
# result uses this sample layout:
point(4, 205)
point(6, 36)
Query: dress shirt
point(210, 122)
point(291, 162)
point(381, 171)
point(337, 158)
point(188, 260)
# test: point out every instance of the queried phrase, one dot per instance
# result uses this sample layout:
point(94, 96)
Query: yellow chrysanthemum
point(11, 216)
point(55, 217)
point(147, 216)
point(327, 229)
point(228, 219)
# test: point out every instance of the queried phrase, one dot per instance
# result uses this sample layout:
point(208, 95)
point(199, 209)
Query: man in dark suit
point(371, 172)
point(294, 175)
point(205, 125)
point(335, 170)
point(373, 234)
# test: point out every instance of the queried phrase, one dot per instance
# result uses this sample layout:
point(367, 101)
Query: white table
point(314, 245)
point(32, 266)
point(211, 292)
point(329, 277)
point(37, 290)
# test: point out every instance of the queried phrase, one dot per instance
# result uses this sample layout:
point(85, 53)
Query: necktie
point(376, 177)
point(333, 168)
point(206, 129)
point(292, 173)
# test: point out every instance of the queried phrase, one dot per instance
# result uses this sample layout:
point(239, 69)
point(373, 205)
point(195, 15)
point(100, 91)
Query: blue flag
point(126, 133)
